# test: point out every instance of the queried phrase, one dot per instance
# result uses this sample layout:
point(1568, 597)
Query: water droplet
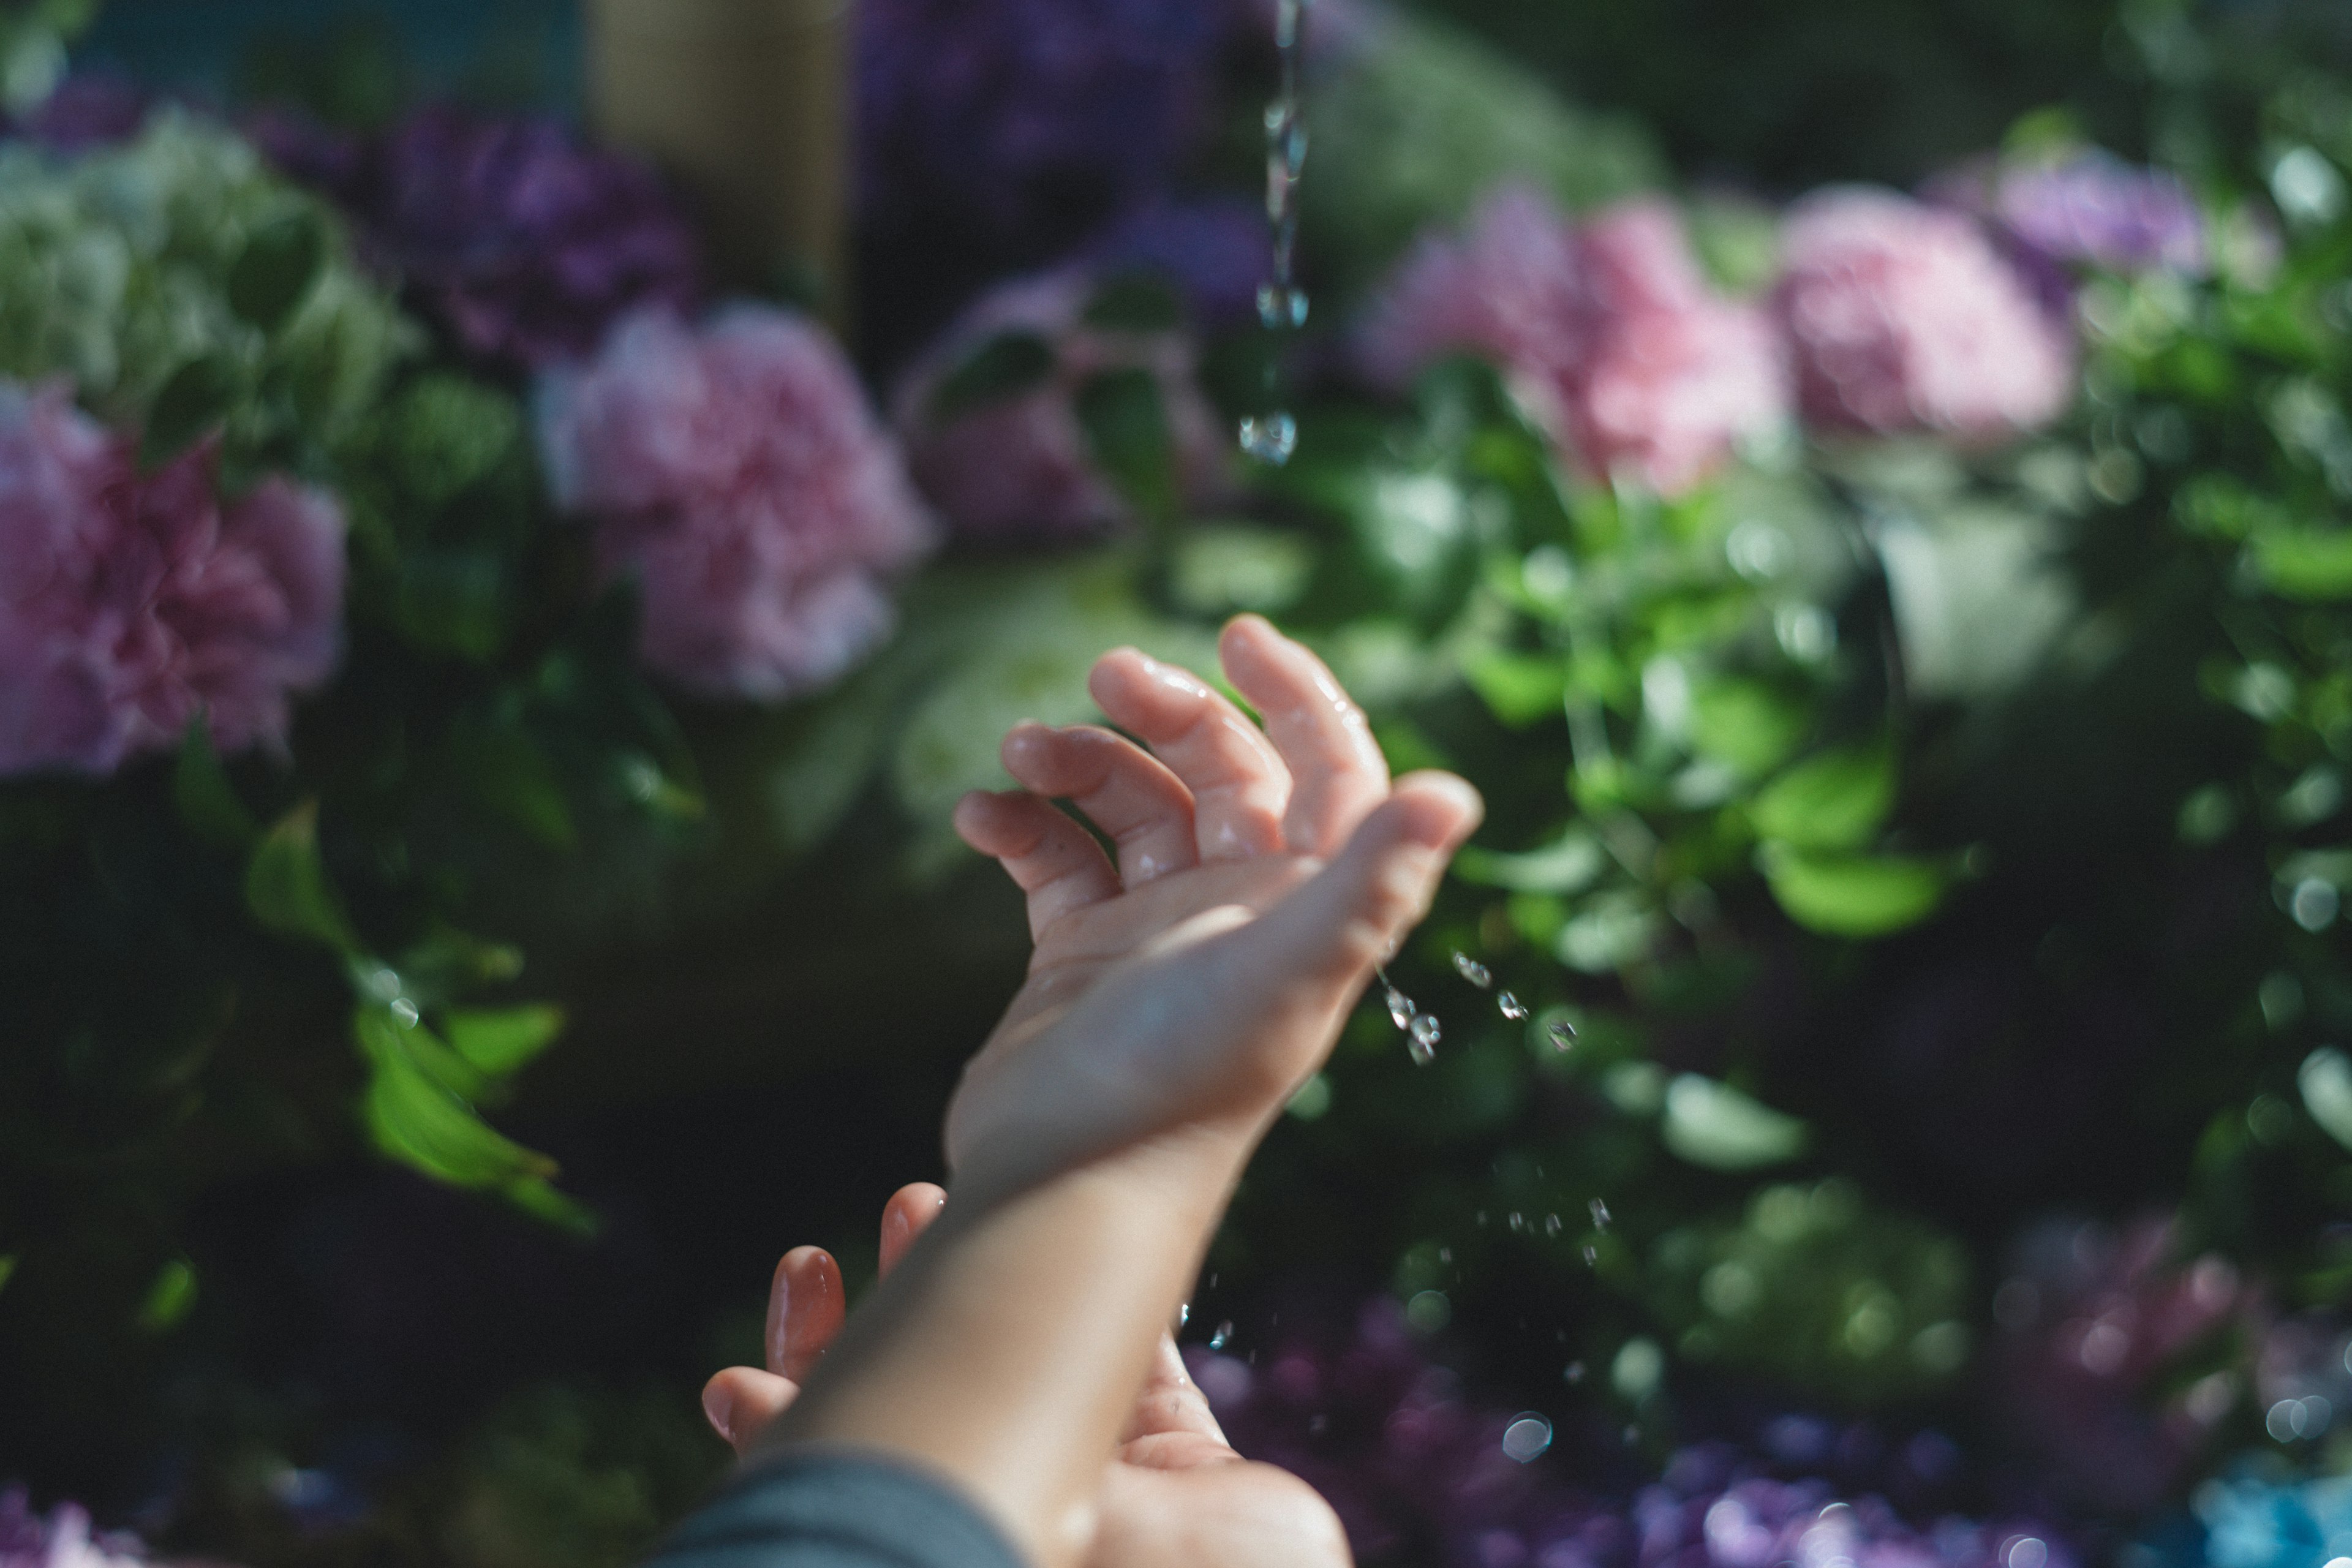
point(1183, 1315)
point(1470, 969)
point(1573, 1371)
point(1423, 1036)
point(403, 1011)
point(1600, 1215)
point(1445, 1255)
point(1513, 1008)
point(1551, 1225)
point(1279, 307)
point(1519, 1220)
point(1270, 438)
point(1401, 1008)
point(1224, 1331)
point(1592, 1255)
point(1562, 1033)
point(1529, 1437)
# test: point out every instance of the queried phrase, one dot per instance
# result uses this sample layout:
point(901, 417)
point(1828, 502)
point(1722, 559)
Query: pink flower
point(1020, 466)
point(1609, 329)
point(736, 473)
point(1903, 317)
point(128, 602)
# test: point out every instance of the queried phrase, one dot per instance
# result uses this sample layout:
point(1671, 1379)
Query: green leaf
point(193, 401)
point(509, 772)
point(1837, 800)
point(413, 1118)
point(1217, 570)
point(1712, 1125)
point(281, 263)
point(1749, 727)
point(453, 599)
point(1852, 895)
point(1126, 424)
point(1519, 689)
point(202, 794)
point(1135, 302)
point(1004, 367)
point(286, 884)
point(1565, 864)
point(2311, 565)
point(500, 1042)
point(170, 1298)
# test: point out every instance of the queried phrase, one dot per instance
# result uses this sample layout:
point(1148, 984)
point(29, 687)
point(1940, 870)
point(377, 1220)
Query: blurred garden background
point(501, 586)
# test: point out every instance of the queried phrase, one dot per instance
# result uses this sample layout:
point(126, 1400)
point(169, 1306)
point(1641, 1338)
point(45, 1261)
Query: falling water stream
point(1271, 434)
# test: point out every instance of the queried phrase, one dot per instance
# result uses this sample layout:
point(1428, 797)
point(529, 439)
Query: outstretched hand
point(1194, 982)
point(1175, 1495)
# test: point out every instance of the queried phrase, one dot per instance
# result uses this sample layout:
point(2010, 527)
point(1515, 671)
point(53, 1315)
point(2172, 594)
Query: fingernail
point(779, 1316)
point(719, 1406)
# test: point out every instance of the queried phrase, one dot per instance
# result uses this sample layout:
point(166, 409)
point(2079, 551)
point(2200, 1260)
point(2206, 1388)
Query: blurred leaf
point(194, 401)
point(7, 1269)
point(170, 1298)
point(1567, 864)
point(286, 884)
point(415, 1118)
point(1837, 800)
point(1126, 424)
point(2326, 1082)
point(453, 599)
point(1218, 570)
point(1135, 302)
point(1747, 726)
point(2308, 564)
point(812, 788)
point(202, 794)
point(1004, 367)
point(1519, 689)
point(281, 263)
point(508, 772)
point(1712, 1125)
point(501, 1041)
point(1851, 895)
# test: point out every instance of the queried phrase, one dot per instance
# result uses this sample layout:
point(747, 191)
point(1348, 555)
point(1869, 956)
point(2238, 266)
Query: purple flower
point(1019, 465)
point(2092, 1323)
point(1608, 327)
point(130, 602)
point(523, 243)
point(89, 109)
point(1214, 251)
point(61, 1540)
point(1028, 117)
point(736, 473)
point(2089, 208)
point(1903, 317)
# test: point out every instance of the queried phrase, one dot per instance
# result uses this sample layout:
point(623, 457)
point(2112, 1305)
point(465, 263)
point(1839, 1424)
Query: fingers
point(1337, 772)
point(1053, 858)
point(906, 1216)
point(1170, 1401)
point(805, 1307)
point(742, 1402)
point(1124, 790)
point(1352, 912)
point(1238, 780)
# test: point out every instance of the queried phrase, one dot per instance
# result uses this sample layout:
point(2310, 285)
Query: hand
point(1260, 875)
point(1175, 1495)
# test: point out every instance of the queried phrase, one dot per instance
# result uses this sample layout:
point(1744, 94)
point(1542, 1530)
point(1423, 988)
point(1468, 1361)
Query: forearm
point(1004, 1353)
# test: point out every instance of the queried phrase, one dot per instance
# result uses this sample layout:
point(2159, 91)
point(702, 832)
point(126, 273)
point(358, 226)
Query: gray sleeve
point(835, 1510)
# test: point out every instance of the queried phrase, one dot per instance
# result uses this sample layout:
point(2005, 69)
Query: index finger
point(1337, 772)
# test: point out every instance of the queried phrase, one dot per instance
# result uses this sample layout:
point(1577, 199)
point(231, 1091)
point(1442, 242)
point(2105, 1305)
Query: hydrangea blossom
point(2252, 1522)
point(89, 109)
point(1904, 317)
point(522, 241)
point(1019, 465)
point(61, 1540)
point(2091, 1319)
point(1215, 251)
point(736, 473)
point(130, 602)
point(1028, 115)
point(1609, 328)
point(2089, 208)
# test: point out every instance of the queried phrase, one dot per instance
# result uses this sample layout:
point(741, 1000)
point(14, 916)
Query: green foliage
point(286, 887)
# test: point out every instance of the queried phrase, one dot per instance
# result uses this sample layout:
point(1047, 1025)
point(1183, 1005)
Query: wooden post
point(746, 102)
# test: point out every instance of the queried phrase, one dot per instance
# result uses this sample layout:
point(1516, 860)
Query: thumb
point(1351, 914)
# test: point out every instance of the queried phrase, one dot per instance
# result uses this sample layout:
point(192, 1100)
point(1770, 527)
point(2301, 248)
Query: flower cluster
point(2091, 1320)
point(1608, 327)
point(736, 473)
point(1028, 115)
point(1019, 464)
point(521, 241)
point(2088, 209)
point(1902, 316)
point(130, 603)
point(2250, 1522)
point(61, 1540)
